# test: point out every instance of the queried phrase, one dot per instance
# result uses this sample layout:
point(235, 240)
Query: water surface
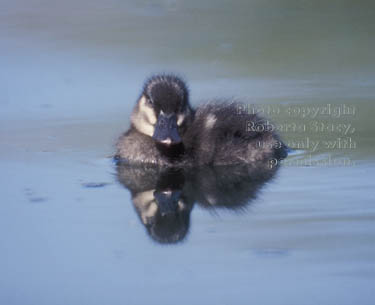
point(70, 75)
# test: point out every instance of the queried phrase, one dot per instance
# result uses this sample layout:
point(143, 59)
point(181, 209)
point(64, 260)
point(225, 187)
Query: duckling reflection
point(164, 197)
point(160, 200)
point(230, 187)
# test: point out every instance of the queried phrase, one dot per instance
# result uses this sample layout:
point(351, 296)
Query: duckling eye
point(150, 101)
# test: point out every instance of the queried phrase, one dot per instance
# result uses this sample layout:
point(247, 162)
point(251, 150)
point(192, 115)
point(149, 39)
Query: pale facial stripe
point(144, 119)
point(147, 111)
point(180, 119)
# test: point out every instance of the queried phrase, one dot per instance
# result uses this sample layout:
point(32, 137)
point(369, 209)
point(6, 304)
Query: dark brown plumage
point(166, 131)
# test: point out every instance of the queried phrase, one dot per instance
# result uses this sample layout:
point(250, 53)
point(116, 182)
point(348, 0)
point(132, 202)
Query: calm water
point(72, 233)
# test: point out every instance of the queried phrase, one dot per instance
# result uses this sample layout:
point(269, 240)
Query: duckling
point(159, 120)
point(165, 130)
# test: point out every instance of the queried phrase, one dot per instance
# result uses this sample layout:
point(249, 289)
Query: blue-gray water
point(70, 74)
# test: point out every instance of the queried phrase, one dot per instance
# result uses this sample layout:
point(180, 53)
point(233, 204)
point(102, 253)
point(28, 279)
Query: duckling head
point(163, 110)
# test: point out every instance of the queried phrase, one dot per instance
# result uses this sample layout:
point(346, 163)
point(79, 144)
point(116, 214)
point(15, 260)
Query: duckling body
point(222, 134)
point(166, 131)
point(138, 148)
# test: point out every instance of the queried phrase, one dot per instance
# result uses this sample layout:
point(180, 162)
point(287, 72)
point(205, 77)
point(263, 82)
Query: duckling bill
point(165, 130)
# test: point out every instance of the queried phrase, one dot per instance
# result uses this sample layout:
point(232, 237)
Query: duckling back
point(222, 134)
